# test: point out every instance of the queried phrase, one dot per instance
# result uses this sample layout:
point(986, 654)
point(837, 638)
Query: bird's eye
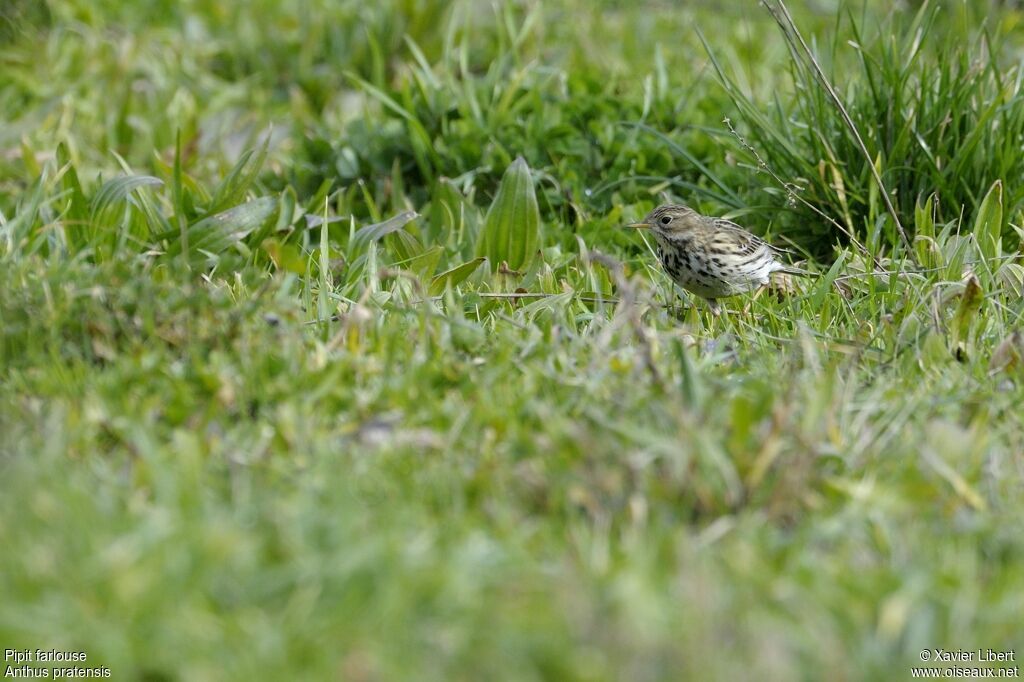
point(666, 219)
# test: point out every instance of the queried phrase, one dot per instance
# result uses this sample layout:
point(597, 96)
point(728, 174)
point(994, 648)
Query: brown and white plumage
point(711, 257)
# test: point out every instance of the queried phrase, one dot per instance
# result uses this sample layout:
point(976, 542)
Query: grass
point(266, 412)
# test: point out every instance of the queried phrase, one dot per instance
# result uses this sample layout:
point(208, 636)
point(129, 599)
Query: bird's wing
point(749, 243)
point(753, 246)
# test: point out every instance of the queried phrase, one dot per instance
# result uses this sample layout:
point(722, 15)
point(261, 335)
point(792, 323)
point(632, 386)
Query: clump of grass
point(939, 111)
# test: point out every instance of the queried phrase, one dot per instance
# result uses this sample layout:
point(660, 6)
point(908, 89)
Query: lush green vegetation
point(304, 375)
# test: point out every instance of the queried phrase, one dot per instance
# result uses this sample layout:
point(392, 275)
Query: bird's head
point(669, 220)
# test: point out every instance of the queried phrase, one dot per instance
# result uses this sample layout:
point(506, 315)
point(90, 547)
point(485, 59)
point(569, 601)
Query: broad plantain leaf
point(115, 192)
point(512, 226)
point(988, 224)
point(215, 234)
point(371, 233)
point(454, 276)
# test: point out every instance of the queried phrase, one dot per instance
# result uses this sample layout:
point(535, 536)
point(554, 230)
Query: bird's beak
point(639, 226)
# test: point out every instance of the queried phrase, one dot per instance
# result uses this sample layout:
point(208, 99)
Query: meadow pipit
point(711, 257)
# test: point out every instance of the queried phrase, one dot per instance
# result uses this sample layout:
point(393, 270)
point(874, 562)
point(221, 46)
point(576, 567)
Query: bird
point(712, 257)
